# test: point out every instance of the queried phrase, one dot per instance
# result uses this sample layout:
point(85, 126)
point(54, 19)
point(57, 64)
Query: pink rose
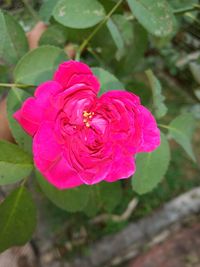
point(79, 138)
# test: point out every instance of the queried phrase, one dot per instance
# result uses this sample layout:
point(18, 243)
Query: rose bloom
point(80, 138)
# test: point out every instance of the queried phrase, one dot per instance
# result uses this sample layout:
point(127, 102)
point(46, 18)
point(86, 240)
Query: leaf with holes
point(18, 219)
point(151, 167)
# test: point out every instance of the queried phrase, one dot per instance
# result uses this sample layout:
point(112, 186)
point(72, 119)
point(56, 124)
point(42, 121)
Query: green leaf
point(107, 80)
point(39, 65)
point(71, 200)
point(121, 30)
point(18, 219)
point(117, 37)
point(13, 43)
point(151, 167)
point(181, 130)
point(158, 98)
point(46, 10)
point(125, 28)
point(55, 35)
point(136, 47)
point(155, 15)
point(104, 196)
point(14, 101)
point(15, 164)
point(79, 14)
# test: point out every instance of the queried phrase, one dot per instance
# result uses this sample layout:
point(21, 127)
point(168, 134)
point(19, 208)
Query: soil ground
point(180, 250)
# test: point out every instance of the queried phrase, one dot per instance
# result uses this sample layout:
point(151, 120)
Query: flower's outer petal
point(29, 116)
point(122, 168)
point(95, 174)
point(73, 72)
point(150, 138)
point(127, 97)
point(47, 89)
point(49, 159)
point(46, 150)
point(62, 176)
point(35, 109)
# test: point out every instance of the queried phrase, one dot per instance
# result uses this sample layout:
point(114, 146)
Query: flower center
point(87, 116)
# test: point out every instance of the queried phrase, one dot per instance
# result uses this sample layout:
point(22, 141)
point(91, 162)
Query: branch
point(117, 218)
point(85, 42)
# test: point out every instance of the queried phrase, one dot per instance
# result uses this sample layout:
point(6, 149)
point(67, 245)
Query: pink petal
point(62, 176)
point(126, 97)
point(122, 168)
point(46, 149)
point(29, 116)
point(47, 89)
point(73, 72)
point(95, 174)
point(150, 139)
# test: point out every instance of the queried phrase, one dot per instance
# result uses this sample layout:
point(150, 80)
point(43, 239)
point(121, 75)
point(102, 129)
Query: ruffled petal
point(46, 149)
point(46, 90)
point(73, 72)
point(150, 134)
point(29, 116)
point(62, 176)
point(129, 99)
point(96, 174)
point(122, 168)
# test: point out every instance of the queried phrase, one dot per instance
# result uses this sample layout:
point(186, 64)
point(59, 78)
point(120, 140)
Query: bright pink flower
point(79, 138)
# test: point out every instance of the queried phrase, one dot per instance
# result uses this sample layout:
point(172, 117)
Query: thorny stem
point(86, 41)
point(10, 85)
point(31, 10)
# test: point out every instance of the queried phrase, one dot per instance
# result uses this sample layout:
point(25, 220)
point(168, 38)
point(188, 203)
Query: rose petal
point(62, 176)
point(46, 149)
point(150, 138)
point(122, 168)
point(72, 72)
point(47, 89)
point(29, 116)
point(129, 99)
